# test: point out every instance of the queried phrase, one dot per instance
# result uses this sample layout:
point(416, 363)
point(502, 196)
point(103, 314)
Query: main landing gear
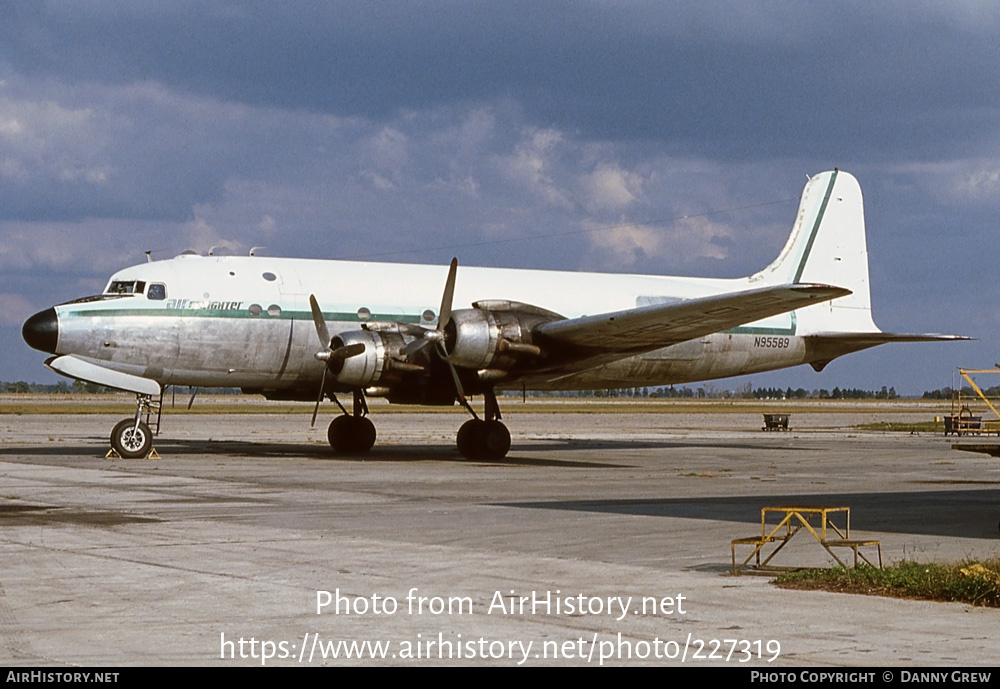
point(485, 438)
point(478, 438)
point(352, 433)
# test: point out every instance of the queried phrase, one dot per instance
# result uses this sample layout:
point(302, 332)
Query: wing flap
point(661, 325)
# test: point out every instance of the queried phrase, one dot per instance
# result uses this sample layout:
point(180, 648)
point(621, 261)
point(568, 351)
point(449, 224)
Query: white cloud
point(532, 163)
point(94, 245)
point(954, 182)
point(42, 140)
point(611, 188)
point(387, 155)
point(684, 241)
point(14, 309)
point(266, 224)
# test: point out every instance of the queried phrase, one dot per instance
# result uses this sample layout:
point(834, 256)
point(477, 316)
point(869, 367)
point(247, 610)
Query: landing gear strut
point(352, 433)
point(133, 438)
point(485, 438)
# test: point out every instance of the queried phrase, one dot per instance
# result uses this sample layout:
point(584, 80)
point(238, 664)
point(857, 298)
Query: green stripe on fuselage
point(242, 314)
point(762, 330)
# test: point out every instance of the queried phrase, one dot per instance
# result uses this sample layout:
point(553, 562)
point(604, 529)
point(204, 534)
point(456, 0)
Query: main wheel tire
point(478, 439)
point(351, 434)
point(131, 441)
point(363, 434)
point(495, 441)
point(469, 438)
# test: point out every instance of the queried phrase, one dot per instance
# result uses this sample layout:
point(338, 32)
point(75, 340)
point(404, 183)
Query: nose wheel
point(131, 439)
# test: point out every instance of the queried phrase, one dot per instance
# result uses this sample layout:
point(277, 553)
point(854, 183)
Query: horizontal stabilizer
point(825, 347)
point(877, 338)
point(661, 325)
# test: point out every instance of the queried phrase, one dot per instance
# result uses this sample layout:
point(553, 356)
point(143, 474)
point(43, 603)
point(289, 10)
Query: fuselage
point(245, 321)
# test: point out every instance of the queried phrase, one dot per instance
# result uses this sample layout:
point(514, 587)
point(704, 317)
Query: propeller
point(328, 354)
point(435, 337)
point(427, 337)
point(424, 338)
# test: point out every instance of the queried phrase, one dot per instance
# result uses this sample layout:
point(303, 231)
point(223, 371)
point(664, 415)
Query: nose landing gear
point(133, 438)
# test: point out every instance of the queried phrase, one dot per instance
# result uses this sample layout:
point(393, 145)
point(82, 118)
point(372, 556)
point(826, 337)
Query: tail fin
point(827, 246)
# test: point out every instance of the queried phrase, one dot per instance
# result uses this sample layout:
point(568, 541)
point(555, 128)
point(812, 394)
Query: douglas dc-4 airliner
point(297, 329)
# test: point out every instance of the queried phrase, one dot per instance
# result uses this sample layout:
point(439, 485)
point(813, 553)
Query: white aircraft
point(295, 329)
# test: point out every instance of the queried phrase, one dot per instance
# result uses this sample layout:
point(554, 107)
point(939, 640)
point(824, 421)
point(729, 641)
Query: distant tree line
point(949, 393)
point(711, 392)
point(706, 391)
point(63, 387)
point(835, 394)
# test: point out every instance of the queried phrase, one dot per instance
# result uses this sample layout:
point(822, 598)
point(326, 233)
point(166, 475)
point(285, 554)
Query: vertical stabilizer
point(827, 245)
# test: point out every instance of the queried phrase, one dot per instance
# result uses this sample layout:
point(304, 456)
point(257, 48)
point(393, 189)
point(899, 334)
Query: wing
point(651, 327)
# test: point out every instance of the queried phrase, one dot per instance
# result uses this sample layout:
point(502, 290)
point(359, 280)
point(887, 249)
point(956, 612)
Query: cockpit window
point(157, 291)
point(126, 287)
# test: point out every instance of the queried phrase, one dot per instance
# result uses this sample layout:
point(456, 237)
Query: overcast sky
point(665, 138)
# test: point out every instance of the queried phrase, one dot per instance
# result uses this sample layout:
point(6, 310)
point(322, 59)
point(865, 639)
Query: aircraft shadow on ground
point(962, 513)
point(179, 449)
point(615, 445)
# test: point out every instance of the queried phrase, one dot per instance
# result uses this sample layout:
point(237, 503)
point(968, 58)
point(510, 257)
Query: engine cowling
point(494, 335)
point(373, 364)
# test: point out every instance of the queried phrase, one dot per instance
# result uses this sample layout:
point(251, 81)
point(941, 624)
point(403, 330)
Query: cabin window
point(273, 310)
point(157, 291)
point(255, 310)
point(270, 277)
point(364, 313)
point(427, 315)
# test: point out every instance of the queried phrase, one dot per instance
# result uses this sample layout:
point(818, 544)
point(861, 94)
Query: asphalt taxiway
point(218, 552)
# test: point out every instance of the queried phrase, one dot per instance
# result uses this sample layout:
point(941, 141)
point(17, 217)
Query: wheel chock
point(113, 454)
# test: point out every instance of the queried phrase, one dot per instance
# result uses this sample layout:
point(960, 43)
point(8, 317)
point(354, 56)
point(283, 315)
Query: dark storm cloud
point(858, 80)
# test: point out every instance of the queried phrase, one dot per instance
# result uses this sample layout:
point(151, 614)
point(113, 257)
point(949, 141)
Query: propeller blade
point(444, 313)
point(320, 322)
point(454, 373)
point(347, 351)
point(322, 387)
point(426, 339)
point(414, 347)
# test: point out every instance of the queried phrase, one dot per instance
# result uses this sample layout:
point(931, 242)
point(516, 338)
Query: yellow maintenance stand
point(964, 421)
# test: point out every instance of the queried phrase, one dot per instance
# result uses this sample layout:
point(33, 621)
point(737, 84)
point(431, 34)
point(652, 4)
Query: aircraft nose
point(41, 331)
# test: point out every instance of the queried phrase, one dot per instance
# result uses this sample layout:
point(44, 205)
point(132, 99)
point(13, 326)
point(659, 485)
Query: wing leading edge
point(661, 325)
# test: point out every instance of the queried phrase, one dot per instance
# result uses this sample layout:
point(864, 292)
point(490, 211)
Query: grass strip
point(972, 582)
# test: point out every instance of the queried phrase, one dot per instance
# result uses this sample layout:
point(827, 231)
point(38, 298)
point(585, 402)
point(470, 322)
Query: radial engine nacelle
point(373, 365)
point(494, 335)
